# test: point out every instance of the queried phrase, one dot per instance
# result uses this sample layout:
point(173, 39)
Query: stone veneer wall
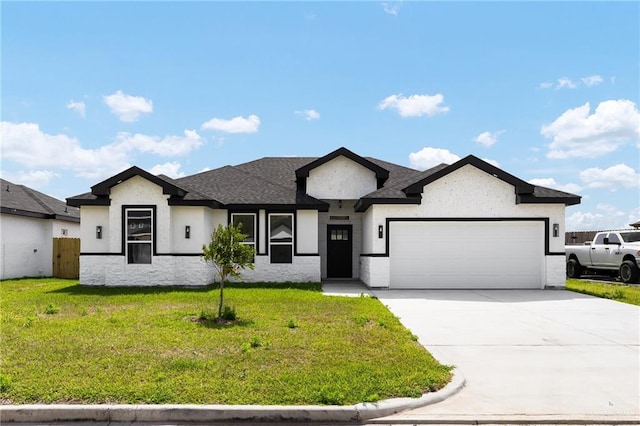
point(113, 270)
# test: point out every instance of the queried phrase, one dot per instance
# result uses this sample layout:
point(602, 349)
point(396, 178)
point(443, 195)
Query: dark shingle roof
point(24, 201)
point(272, 181)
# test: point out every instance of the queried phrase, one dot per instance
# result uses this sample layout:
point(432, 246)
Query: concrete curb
point(510, 419)
point(220, 413)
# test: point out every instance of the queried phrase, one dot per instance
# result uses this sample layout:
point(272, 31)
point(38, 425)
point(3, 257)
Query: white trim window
point(281, 238)
point(248, 221)
point(139, 222)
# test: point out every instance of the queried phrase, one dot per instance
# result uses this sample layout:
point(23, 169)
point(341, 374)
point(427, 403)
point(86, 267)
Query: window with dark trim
point(281, 238)
point(248, 222)
point(139, 235)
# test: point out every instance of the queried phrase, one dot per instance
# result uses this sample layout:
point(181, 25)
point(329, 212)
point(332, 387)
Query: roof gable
point(521, 187)
point(525, 192)
point(104, 188)
point(382, 174)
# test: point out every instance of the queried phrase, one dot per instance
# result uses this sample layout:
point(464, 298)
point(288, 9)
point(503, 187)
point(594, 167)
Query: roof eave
point(364, 203)
point(99, 201)
point(531, 199)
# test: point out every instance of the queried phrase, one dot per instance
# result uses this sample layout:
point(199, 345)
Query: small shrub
point(382, 323)
point(5, 383)
point(51, 309)
point(245, 347)
point(229, 313)
point(292, 323)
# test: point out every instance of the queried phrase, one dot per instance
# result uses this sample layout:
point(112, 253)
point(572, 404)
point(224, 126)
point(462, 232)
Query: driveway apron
point(527, 352)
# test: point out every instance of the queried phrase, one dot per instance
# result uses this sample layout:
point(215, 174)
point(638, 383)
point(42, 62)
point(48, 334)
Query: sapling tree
point(228, 255)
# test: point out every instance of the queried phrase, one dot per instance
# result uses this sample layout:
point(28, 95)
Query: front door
point(339, 251)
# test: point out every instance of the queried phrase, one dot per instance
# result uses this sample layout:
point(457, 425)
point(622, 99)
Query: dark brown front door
point(339, 251)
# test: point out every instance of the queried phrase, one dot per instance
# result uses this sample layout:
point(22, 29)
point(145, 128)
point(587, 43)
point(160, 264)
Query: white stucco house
point(29, 220)
point(464, 225)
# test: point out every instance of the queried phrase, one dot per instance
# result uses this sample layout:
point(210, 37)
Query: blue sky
point(547, 91)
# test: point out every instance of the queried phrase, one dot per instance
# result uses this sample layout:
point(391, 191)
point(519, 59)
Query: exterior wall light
point(187, 232)
point(99, 232)
point(380, 231)
point(556, 230)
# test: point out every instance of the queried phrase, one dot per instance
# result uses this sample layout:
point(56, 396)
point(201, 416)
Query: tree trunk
point(221, 297)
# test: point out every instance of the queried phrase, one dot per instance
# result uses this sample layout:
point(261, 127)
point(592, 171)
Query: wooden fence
point(66, 258)
point(578, 237)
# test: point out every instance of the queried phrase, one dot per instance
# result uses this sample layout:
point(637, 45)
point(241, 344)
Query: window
point(599, 239)
point(613, 239)
point(248, 222)
point(630, 237)
point(339, 235)
point(139, 235)
point(281, 238)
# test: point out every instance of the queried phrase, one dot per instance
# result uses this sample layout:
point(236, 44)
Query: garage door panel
point(504, 254)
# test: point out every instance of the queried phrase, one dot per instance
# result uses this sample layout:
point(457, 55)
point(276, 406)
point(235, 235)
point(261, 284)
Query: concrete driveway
point(527, 352)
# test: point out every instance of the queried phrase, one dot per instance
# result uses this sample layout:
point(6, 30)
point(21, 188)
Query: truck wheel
point(629, 272)
point(574, 269)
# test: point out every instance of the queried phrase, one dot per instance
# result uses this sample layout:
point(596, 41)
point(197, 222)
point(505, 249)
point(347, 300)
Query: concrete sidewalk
point(550, 354)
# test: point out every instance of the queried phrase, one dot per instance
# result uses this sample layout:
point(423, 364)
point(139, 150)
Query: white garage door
point(466, 254)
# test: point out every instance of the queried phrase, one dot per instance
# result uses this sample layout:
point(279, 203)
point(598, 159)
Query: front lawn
point(63, 343)
point(622, 293)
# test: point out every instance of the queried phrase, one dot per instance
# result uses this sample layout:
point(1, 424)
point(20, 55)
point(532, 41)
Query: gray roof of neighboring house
point(280, 182)
point(23, 201)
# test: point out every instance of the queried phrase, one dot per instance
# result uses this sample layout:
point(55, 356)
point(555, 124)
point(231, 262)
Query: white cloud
point(604, 217)
point(551, 183)
point(308, 114)
point(168, 146)
point(415, 105)
point(32, 178)
point(487, 138)
point(565, 83)
point(391, 8)
point(26, 144)
point(235, 125)
point(592, 80)
point(613, 178)
point(171, 169)
point(78, 107)
point(128, 108)
point(429, 157)
point(576, 133)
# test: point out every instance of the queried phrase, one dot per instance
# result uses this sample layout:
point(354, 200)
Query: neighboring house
point(344, 216)
point(29, 221)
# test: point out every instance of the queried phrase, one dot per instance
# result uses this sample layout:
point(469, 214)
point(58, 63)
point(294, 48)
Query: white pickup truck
point(617, 251)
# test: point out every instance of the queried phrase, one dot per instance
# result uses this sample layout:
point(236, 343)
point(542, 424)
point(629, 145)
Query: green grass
point(63, 343)
point(621, 293)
